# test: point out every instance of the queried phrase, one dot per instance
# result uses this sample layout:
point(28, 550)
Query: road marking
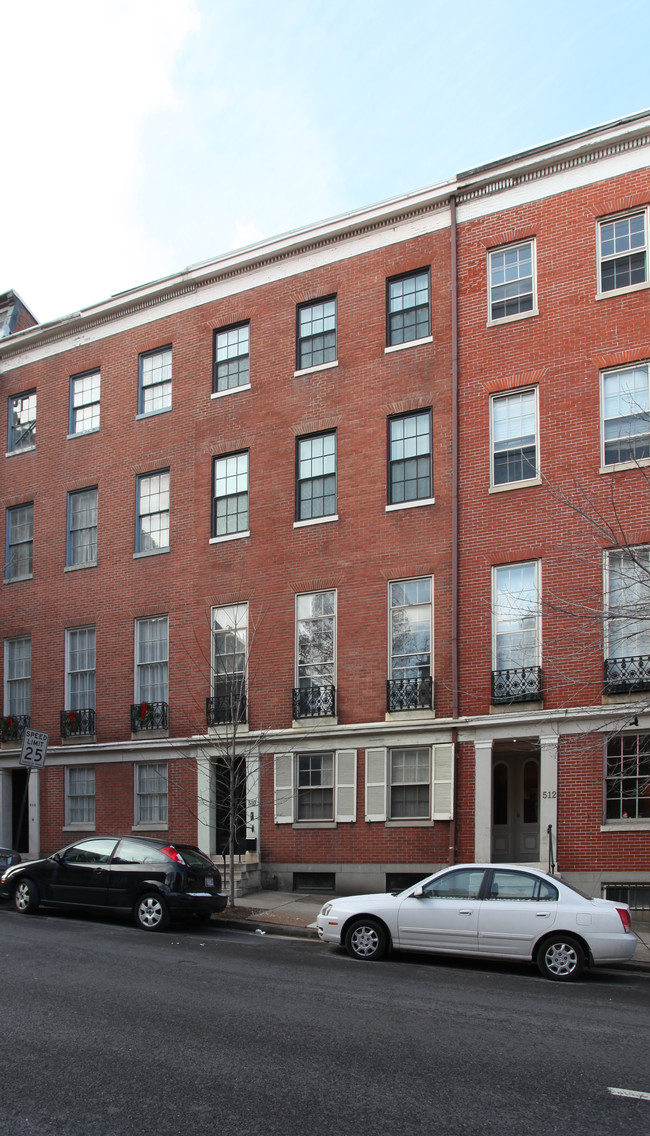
point(629, 1093)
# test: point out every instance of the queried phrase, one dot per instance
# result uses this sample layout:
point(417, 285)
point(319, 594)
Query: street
point(110, 1031)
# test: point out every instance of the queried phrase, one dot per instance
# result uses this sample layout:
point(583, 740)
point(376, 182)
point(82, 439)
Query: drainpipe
point(454, 514)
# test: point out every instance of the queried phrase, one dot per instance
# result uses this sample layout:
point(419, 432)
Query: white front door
point(515, 809)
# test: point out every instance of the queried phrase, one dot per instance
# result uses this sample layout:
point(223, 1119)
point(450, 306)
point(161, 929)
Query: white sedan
point(500, 911)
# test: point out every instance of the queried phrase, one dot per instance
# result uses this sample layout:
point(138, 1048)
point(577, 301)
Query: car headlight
point(326, 909)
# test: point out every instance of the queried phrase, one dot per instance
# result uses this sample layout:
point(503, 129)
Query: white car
point(502, 911)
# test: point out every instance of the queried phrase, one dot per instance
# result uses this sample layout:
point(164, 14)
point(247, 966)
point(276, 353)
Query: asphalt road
point(109, 1031)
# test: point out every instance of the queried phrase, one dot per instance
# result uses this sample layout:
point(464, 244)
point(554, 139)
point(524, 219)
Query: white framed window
point(627, 777)
point(18, 669)
point(151, 793)
point(627, 610)
point(152, 512)
point(410, 468)
point(230, 495)
point(22, 422)
point(229, 663)
point(410, 784)
point(514, 431)
point(516, 620)
point(315, 787)
point(316, 334)
point(623, 252)
point(151, 659)
point(408, 315)
point(82, 528)
point(410, 637)
point(625, 414)
point(316, 476)
point(512, 282)
point(19, 552)
point(80, 668)
point(155, 381)
point(315, 654)
point(231, 358)
point(80, 795)
point(84, 402)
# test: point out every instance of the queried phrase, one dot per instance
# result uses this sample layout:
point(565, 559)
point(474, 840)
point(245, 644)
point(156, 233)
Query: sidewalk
point(294, 913)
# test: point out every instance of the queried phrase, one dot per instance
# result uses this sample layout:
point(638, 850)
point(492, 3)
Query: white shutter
point(283, 788)
point(443, 782)
point(346, 785)
point(375, 784)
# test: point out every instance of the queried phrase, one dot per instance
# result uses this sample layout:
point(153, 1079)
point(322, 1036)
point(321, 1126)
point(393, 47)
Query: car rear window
point(133, 852)
point(193, 856)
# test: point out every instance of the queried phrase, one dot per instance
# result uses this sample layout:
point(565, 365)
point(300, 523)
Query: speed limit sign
point(34, 748)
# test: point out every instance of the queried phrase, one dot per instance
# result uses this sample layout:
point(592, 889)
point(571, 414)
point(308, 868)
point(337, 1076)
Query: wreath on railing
point(73, 724)
point(8, 728)
point(143, 713)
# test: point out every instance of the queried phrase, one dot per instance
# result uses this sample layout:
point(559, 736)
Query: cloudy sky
point(142, 136)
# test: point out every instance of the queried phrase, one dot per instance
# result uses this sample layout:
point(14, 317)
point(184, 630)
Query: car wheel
point(151, 913)
point(26, 897)
point(561, 958)
point(366, 939)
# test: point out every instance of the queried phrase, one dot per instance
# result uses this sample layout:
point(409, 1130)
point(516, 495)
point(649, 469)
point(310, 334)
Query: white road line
point(629, 1093)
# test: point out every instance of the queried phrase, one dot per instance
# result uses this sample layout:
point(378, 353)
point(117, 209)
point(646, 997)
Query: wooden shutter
point(375, 784)
point(443, 782)
point(346, 785)
point(283, 788)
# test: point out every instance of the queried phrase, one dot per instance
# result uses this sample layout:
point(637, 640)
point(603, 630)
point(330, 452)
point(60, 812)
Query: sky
point(143, 136)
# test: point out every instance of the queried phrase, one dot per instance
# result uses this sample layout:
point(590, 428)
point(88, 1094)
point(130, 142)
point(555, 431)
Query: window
point(408, 308)
point(511, 284)
point(80, 668)
point(315, 653)
point(463, 883)
point(409, 458)
point(19, 542)
point(82, 528)
point(231, 358)
point(230, 502)
point(516, 674)
point(80, 795)
point(151, 658)
point(151, 793)
point(410, 783)
point(316, 477)
point(518, 885)
point(622, 252)
point(410, 645)
point(229, 662)
point(315, 786)
point(152, 512)
point(18, 665)
point(627, 620)
point(514, 437)
point(155, 392)
point(627, 778)
point(22, 422)
point(316, 335)
point(625, 415)
point(84, 402)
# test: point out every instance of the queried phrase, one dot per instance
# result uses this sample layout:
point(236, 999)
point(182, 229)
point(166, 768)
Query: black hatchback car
point(153, 880)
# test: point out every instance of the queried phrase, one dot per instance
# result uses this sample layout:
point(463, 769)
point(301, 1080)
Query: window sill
point(512, 319)
point(419, 715)
point(312, 370)
point(623, 291)
point(152, 413)
point(147, 735)
point(515, 707)
point(229, 536)
point(626, 826)
point(314, 723)
point(79, 567)
point(410, 343)
point(515, 485)
point(79, 740)
point(79, 828)
point(409, 823)
point(625, 698)
point(151, 826)
point(410, 504)
point(151, 552)
point(24, 450)
point(83, 433)
point(18, 579)
point(315, 521)
point(314, 824)
point(231, 390)
point(226, 729)
point(637, 463)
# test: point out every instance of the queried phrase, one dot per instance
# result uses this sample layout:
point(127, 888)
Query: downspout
point(454, 516)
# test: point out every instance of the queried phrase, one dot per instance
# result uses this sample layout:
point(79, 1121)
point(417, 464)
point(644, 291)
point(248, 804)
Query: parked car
point(153, 880)
point(8, 856)
point(501, 911)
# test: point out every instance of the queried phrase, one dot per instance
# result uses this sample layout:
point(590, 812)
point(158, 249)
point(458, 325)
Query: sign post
point(34, 749)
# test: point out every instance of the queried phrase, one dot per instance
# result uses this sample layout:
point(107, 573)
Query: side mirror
point(418, 892)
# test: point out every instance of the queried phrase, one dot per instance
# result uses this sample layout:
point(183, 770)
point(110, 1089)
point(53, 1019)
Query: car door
point(135, 864)
point(442, 915)
point(80, 873)
point(518, 907)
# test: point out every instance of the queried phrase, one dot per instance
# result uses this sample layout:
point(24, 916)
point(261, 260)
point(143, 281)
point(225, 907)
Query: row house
point(358, 517)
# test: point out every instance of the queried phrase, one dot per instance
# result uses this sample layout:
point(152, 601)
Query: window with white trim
point(410, 474)
point(152, 512)
point(316, 476)
point(151, 659)
point(408, 308)
point(514, 436)
point(151, 793)
point(155, 381)
point(316, 334)
point(230, 495)
point(80, 795)
point(231, 358)
point(622, 252)
point(22, 422)
point(627, 619)
point(84, 402)
point(627, 777)
point(315, 639)
point(82, 528)
point(410, 784)
point(315, 787)
point(229, 662)
point(409, 616)
point(625, 414)
point(19, 542)
point(18, 669)
point(80, 668)
point(511, 281)
point(515, 616)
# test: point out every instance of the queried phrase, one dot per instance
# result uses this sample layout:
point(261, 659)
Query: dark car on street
point(152, 880)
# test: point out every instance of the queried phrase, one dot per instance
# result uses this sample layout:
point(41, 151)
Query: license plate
point(209, 881)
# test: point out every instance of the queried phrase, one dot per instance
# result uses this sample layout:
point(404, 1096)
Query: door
point(518, 909)
point(445, 916)
point(81, 874)
point(515, 809)
point(230, 792)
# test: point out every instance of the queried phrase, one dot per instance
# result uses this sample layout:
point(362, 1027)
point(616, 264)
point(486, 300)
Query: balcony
point(227, 706)
point(77, 723)
point(520, 684)
point(409, 694)
point(314, 702)
point(149, 716)
point(625, 676)
point(12, 727)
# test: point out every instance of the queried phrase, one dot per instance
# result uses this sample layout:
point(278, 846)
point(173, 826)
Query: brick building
point(310, 504)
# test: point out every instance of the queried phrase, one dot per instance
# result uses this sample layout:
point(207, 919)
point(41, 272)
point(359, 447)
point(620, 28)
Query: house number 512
point(549, 794)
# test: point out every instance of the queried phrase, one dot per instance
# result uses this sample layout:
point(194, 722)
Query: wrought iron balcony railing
point(77, 723)
point(409, 694)
point(228, 705)
point(13, 726)
point(314, 702)
point(149, 716)
point(624, 676)
point(519, 684)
